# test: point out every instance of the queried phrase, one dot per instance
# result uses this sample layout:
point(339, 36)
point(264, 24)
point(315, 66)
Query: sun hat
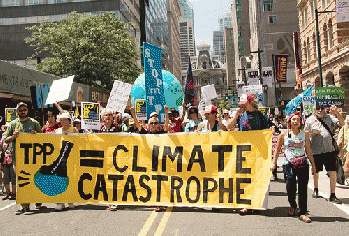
point(245, 97)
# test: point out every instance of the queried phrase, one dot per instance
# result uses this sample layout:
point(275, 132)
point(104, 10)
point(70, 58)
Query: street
point(131, 220)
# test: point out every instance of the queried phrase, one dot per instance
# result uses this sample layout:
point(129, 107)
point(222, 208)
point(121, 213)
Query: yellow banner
point(221, 169)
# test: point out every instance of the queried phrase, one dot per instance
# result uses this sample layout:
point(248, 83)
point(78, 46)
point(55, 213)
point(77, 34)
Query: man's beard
point(23, 116)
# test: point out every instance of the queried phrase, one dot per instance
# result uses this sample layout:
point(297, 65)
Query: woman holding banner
point(211, 123)
point(194, 120)
point(297, 155)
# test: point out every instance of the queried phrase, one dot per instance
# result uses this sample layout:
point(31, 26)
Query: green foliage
point(91, 47)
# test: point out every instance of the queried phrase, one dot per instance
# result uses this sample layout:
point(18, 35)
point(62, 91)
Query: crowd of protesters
point(311, 141)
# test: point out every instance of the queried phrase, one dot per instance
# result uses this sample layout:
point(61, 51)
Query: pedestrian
point(51, 125)
point(342, 142)
point(297, 153)
point(226, 117)
point(6, 166)
point(321, 127)
point(194, 120)
point(175, 121)
point(66, 129)
point(77, 125)
point(23, 124)
point(248, 117)
point(211, 123)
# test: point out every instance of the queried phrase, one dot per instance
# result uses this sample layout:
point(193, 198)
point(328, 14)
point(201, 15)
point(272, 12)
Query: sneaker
point(113, 208)
point(13, 196)
point(71, 205)
point(316, 194)
point(59, 207)
point(24, 211)
point(7, 196)
point(335, 200)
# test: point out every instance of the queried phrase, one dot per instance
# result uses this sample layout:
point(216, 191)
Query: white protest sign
point(119, 96)
point(252, 75)
point(208, 92)
point(267, 76)
point(309, 104)
point(59, 90)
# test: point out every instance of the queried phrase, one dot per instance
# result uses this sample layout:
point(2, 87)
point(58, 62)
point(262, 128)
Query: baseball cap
point(245, 98)
point(21, 104)
point(153, 114)
point(225, 111)
point(210, 109)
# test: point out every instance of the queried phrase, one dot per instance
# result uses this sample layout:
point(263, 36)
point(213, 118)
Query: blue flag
point(189, 92)
point(154, 87)
point(294, 103)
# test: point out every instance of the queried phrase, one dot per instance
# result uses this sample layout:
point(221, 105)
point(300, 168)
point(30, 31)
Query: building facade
point(187, 43)
point(219, 45)
point(230, 53)
point(207, 70)
point(272, 24)
point(334, 46)
point(17, 15)
point(187, 11)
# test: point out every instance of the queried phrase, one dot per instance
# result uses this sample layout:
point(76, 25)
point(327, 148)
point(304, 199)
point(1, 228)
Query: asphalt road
point(96, 220)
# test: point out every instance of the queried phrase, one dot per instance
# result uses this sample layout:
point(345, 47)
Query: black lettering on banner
point(135, 167)
point(229, 190)
point(83, 195)
point(167, 153)
point(197, 150)
point(143, 185)
point(130, 188)
point(221, 149)
point(176, 187)
point(115, 179)
point(155, 158)
point(101, 187)
point(36, 152)
point(158, 179)
point(198, 189)
point(27, 147)
point(119, 147)
point(206, 190)
point(95, 163)
point(46, 153)
point(240, 191)
point(240, 159)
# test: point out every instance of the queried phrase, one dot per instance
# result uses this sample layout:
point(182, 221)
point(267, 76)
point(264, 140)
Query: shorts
point(9, 174)
point(325, 159)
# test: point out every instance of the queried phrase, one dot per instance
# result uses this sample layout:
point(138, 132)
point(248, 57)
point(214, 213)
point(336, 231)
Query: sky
point(206, 13)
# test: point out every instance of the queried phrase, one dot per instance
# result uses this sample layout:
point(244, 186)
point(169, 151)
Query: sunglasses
point(23, 110)
point(154, 123)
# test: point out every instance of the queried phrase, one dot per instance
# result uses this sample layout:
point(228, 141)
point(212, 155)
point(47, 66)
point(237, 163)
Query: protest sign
point(328, 96)
point(309, 105)
point(59, 90)
point(141, 109)
point(208, 92)
point(90, 118)
point(267, 76)
point(256, 91)
point(154, 87)
point(119, 96)
point(274, 143)
point(252, 75)
point(10, 114)
point(227, 169)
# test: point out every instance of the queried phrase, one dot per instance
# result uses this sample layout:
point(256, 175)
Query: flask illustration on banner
point(53, 179)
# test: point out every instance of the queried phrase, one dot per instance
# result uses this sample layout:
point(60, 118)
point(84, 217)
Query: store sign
point(281, 68)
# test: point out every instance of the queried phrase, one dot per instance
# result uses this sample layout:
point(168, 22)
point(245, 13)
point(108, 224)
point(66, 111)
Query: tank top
point(294, 145)
point(204, 127)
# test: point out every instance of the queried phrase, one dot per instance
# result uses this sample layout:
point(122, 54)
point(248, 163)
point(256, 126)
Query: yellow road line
point(148, 224)
point(163, 222)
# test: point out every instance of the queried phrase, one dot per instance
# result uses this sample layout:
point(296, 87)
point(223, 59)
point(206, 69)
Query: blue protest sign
point(153, 80)
point(41, 95)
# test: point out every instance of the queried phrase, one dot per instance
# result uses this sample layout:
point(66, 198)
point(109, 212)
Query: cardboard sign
point(225, 169)
point(154, 87)
point(10, 114)
point(90, 115)
point(119, 96)
point(309, 105)
point(141, 109)
point(208, 92)
point(59, 90)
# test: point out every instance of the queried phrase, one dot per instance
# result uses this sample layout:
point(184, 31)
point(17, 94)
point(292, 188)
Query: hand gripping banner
point(222, 169)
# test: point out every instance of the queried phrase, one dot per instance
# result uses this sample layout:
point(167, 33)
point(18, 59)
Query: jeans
point(291, 187)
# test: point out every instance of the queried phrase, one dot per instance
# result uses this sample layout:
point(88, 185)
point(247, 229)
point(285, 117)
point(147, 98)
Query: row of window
point(12, 3)
point(313, 6)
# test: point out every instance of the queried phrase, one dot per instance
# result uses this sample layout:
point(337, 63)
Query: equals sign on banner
point(96, 162)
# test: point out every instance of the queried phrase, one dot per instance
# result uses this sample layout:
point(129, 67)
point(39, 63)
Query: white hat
point(64, 115)
point(153, 114)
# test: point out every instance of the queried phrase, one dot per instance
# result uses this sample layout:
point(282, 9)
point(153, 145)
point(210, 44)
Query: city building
point(187, 11)
point(17, 15)
point(187, 43)
point(334, 48)
point(230, 53)
point(225, 21)
point(272, 24)
point(207, 70)
point(219, 45)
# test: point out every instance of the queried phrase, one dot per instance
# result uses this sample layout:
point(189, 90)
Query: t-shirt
point(113, 128)
point(176, 125)
point(69, 131)
point(23, 127)
point(294, 146)
point(254, 120)
point(191, 126)
point(50, 129)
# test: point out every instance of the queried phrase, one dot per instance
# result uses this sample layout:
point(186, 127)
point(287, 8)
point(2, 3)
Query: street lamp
point(259, 64)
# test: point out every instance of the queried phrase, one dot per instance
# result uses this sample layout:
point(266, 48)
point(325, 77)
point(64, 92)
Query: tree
point(91, 47)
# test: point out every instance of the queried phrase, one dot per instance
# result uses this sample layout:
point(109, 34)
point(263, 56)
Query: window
point(268, 5)
point(272, 20)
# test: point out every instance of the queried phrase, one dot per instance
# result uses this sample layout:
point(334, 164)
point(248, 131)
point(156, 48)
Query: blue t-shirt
point(254, 120)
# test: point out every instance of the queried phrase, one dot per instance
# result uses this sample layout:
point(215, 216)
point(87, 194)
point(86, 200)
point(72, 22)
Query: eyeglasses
point(23, 110)
point(154, 123)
